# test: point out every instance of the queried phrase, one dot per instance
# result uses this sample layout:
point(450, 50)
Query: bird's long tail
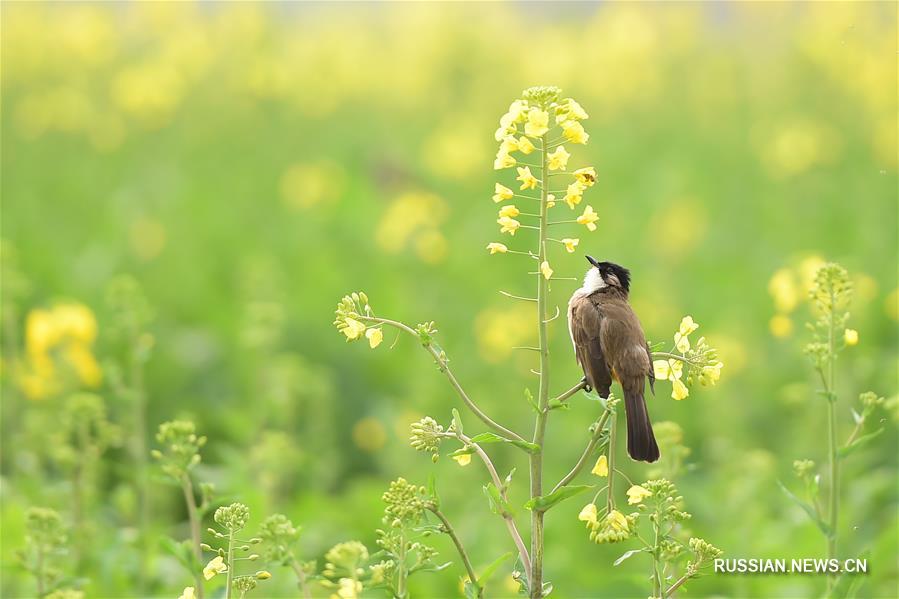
point(641, 443)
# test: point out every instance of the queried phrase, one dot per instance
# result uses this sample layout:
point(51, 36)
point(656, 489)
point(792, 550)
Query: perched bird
point(610, 345)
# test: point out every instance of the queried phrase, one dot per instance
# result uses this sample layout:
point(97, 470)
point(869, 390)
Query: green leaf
point(472, 591)
point(533, 403)
point(463, 451)
point(543, 503)
point(859, 443)
point(525, 445)
point(489, 437)
point(432, 489)
point(457, 421)
point(181, 552)
point(807, 509)
point(488, 572)
point(498, 505)
point(555, 404)
point(628, 554)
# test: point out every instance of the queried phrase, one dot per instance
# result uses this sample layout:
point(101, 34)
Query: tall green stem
point(448, 529)
point(188, 488)
point(230, 559)
point(610, 501)
point(832, 438)
point(536, 459)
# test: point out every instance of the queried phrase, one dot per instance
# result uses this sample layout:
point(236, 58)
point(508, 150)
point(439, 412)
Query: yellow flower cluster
point(59, 336)
point(525, 129)
point(702, 360)
point(350, 312)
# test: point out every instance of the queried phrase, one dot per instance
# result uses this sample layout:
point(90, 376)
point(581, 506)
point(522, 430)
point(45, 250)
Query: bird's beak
point(592, 261)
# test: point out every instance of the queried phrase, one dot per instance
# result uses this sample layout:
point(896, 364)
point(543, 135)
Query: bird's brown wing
point(623, 339)
point(585, 322)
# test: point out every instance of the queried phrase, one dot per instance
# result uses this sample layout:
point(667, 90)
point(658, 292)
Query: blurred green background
point(248, 164)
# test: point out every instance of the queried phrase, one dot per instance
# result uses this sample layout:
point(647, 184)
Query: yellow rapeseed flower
point(588, 513)
point(850, 336)
point(188, 593)
point(570, 244)
point(617, 520)
point(550, 200)
point(497, 248)
point(537, 123)
point(586, 176)
point(41, 332)
point(574, 194)
point(574, 132)
point(463, 459)
point(508, 225)
point(588, 218)
point(353, 329)
point(215, 566)
point(508, 145)
point(681, 342)
point(570, 109)
point(504, 160)
point(509, 210)
point(687, 325)
point(375, 337)
point(558, 160)
point(546, 270)
point(668, 369)
point(679, 390)
point(501, 192)
point(525, 146)
point(711, 374)
point(601, 467)
point(636, 494)
point(528, 181)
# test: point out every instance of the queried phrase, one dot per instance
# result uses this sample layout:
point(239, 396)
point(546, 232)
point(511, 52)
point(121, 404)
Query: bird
point(609, 344)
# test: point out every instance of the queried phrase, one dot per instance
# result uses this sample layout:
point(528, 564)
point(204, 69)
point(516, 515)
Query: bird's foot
point(587, 386)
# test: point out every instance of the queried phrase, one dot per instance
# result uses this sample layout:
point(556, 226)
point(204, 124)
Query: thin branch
point(571, 392)
point(585, 456)
point(510, 521)
point(448, 529)
point(676, 585)
point(558, 312)
point(518, 297)
point(527, 348)
point(444, 367)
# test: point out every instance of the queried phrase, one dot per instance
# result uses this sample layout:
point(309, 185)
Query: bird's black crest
point(623, 274)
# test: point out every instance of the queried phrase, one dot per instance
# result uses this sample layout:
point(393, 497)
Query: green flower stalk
point(533, 135)
point(45, 541)
point(279, 536)
point(180, 453)
point(231, 519)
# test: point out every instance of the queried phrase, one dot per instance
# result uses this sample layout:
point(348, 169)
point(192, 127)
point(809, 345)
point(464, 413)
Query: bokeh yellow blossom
point(850, 337)
point(780, 325)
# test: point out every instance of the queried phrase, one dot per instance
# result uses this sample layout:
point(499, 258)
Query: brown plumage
point(610, 345)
